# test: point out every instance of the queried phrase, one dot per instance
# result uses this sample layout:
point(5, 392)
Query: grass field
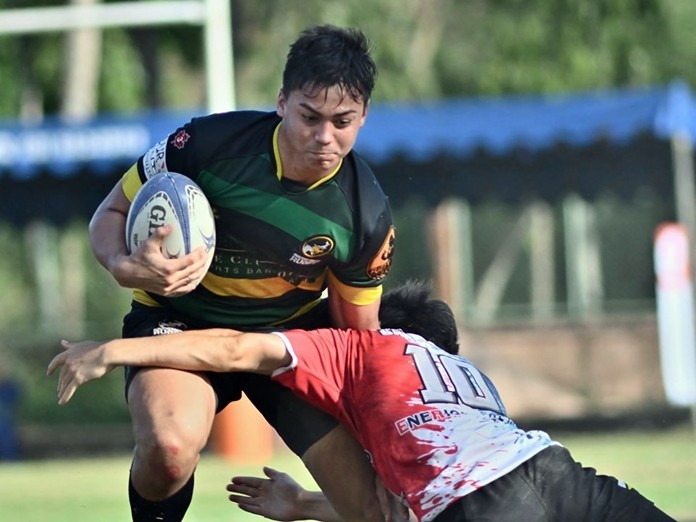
point(662, 465)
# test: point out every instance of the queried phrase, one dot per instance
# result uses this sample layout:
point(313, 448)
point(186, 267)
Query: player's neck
point(294, 166)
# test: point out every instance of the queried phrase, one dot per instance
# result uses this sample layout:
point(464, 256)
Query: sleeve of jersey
point(179, 152)
point(131, 182)
point(316, 373)
point(359, 282)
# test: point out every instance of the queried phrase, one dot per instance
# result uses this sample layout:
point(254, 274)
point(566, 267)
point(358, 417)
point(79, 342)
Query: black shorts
point(298, 424)
point(552, 487)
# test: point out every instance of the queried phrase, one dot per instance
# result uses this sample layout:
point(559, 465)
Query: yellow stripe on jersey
point(355, 295)
point(130, 182)
point(139, 296)
point(303, 310)
point(247, 288)
point(255, 288)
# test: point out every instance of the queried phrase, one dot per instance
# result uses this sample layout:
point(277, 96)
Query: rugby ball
point(167, 198)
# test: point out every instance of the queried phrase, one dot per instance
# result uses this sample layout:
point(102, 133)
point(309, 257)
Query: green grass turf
point(662, 465)
point(95, 489)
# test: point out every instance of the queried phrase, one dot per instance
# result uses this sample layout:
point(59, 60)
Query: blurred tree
point(433, 49)
point(682, 52)
point(515, 46)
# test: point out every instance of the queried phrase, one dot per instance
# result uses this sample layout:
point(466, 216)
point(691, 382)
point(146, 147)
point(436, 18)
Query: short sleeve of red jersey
point(318, 371)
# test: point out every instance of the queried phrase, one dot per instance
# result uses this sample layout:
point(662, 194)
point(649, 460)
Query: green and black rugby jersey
point(278, 242)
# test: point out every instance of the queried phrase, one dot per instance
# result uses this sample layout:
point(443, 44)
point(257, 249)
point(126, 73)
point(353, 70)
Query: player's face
point(319, 128)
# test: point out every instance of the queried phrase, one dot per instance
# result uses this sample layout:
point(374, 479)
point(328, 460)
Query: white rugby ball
point(167, 198)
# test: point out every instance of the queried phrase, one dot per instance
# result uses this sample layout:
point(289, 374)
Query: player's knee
point(169, 456)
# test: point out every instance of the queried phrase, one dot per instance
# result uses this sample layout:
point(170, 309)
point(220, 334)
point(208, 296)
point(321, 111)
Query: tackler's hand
point(275, 497)
point(79, 363)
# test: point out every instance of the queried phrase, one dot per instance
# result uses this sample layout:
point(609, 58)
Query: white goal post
point(213, 15)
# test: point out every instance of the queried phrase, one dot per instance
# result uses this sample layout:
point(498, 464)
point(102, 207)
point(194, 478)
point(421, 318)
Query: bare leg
point(172, 413)
point(341, 469)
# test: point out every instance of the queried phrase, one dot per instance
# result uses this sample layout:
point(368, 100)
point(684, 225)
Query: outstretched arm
point(217, 350)
point(280, 497)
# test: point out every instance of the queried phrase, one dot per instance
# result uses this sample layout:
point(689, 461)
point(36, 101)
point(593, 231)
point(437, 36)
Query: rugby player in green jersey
point(304, 240)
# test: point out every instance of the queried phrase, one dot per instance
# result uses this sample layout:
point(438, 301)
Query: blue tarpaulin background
point(415, 130)
point(498, 125)
point(507, 146)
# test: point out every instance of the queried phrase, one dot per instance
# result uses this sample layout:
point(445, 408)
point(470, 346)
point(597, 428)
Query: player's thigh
point(341, 469)
point(574, 492)
point(166, 402)
point(542, 489)
point(615, 501)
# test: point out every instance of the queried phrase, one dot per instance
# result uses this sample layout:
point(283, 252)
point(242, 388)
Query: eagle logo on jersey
point(317, 246)
point(381, 263)
point(167, 326)
point(180, 139)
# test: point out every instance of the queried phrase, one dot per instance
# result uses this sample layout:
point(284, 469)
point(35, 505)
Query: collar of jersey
point(279, 164)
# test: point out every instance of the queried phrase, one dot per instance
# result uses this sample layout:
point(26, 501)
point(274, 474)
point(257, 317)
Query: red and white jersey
point(432, 423)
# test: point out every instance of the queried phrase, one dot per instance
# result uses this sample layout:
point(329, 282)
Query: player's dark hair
point(324, 56)
point(410, 308)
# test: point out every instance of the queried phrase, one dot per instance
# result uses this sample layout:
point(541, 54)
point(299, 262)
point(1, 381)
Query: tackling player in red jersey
point(432, 424)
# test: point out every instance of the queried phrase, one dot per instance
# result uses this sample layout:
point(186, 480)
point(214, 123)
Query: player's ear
point(280, 103)
point(366, 108)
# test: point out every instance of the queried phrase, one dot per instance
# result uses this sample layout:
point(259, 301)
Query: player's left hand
point(80, 363)
point(274, 497)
